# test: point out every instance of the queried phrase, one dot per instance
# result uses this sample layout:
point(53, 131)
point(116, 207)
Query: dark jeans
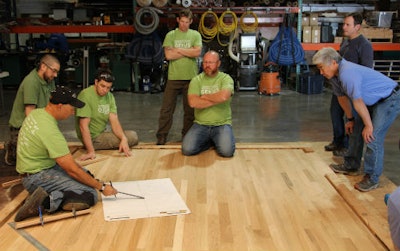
point(340, 138)
point(171, 92)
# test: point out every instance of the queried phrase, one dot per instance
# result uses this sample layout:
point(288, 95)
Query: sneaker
point(331, 147)
point(31, 205)
point(366, 184)
point(10, 158)
point(342, 168)
point(341, 152)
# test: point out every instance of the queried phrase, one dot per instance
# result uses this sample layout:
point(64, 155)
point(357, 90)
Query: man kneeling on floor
point(51, 175)
point(210, 94)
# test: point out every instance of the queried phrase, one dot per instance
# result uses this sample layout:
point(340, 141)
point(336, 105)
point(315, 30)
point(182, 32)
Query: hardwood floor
point(267, 197)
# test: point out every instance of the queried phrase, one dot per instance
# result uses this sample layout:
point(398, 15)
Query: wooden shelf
point(72, 29)
point(375, 46)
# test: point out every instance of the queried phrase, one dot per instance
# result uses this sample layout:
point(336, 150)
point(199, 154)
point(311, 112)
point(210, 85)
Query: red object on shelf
point(375, 46)
point(72, 29)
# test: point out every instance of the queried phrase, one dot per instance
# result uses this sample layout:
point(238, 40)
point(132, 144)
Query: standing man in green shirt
point(182, 46)
point(33, 92)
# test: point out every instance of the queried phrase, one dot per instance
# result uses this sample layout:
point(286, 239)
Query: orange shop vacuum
point(270, 83)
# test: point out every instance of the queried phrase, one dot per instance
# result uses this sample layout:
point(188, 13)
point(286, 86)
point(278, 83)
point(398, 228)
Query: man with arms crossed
point(182, 46)
point(210, 94)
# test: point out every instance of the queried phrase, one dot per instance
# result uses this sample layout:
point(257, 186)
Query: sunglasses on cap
point(106, 77)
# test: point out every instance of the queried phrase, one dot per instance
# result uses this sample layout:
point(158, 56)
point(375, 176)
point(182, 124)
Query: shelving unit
point(375, 46)
point(72, 29)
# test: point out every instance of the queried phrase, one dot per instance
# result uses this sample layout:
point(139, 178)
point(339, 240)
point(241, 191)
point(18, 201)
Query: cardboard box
point(305, 21)
point(338, 40)
point(313, 19)
point(315, 34)
point(307, 34)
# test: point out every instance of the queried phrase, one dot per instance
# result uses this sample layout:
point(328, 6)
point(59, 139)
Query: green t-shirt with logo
point(40, 142)
point(96, 108)
point(32, 91)
point(219, 114)
point(183, 68)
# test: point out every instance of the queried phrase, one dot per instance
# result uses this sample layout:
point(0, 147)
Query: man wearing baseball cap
point(50, 174)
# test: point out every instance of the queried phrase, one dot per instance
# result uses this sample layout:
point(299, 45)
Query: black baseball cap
point(64, 95)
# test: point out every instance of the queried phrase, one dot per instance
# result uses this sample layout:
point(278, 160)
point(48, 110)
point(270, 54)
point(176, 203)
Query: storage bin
point(311, 83)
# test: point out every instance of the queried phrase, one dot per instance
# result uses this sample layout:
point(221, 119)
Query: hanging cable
point(208, 33)
point(142, 15)
point(226, 28)
point(248, 28)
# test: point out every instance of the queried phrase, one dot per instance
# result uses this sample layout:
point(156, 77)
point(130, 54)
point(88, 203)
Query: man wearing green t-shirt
point(93, 118)
point(50, 174)
point(181, 48)
point(33, 92)
point(210, 95)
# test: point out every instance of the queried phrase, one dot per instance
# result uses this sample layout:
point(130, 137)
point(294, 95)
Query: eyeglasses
point(54, 70)
point(106, 77)
point(210, 62)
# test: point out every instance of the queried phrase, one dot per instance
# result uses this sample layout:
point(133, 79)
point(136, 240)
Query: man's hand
point(109, 190)
point(367, 134)
point(124, 147)
point(88, 156)
point(349, 127)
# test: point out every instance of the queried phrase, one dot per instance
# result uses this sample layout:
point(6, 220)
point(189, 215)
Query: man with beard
point(210, 94)
point(33, 92)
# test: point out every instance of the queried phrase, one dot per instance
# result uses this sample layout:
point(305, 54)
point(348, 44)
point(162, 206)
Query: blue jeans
point(354, 153)
point(382, 115)
point(200, 138)
point(340, 138)
point(55, 181)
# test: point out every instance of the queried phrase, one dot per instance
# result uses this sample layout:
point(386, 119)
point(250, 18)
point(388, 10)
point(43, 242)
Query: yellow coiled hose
point(208, 33)
point(248, 27)
point(226, 28)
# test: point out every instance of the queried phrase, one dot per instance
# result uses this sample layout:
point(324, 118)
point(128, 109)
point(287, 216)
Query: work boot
point(340, 152)
point(161, 139)
point(331, 147)
point(31, 205)
point(10, 158)
point(76, 202)
point(344, 169)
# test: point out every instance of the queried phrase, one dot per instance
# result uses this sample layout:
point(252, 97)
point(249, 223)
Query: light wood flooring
point(278, 196)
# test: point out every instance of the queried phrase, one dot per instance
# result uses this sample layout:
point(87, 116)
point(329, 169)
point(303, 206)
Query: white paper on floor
point(160, 199)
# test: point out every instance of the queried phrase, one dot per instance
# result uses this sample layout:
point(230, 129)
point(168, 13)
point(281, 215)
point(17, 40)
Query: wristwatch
point(350, 119)
point(103, 186)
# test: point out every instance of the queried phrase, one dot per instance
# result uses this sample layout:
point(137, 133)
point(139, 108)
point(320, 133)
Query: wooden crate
point(377, 34)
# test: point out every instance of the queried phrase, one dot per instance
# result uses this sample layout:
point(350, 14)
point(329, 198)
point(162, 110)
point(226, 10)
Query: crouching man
point(50, 174)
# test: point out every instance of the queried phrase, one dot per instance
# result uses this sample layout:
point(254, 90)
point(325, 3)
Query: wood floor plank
point(266, 198)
